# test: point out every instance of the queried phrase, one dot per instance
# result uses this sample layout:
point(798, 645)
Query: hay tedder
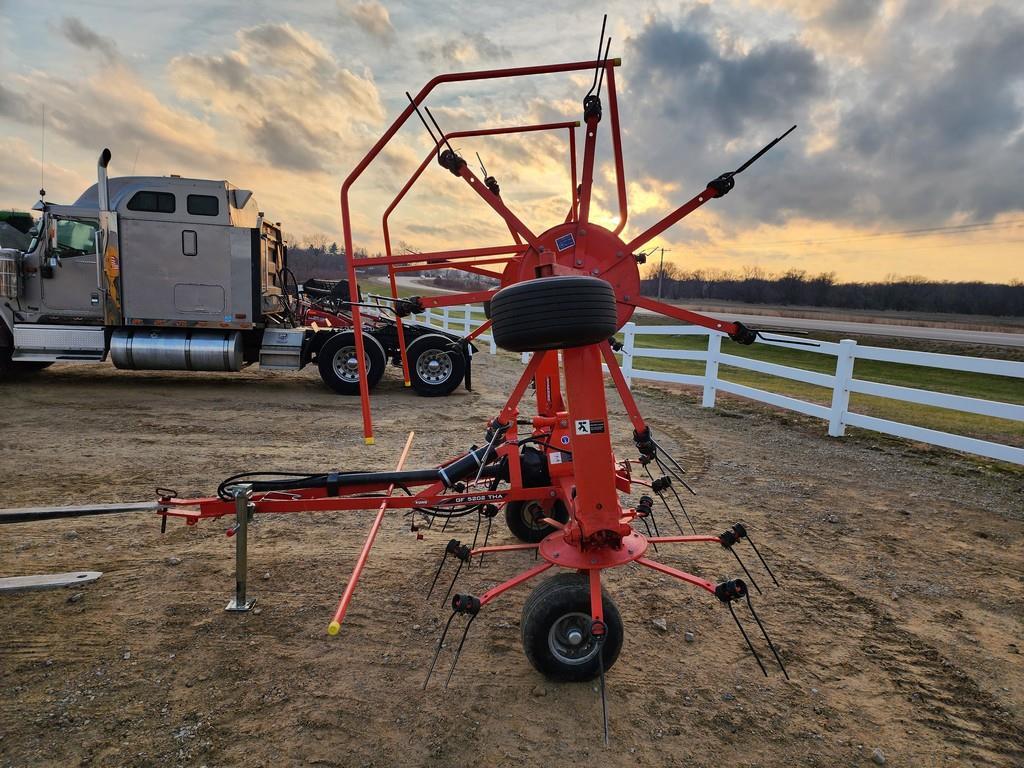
point(564, 294)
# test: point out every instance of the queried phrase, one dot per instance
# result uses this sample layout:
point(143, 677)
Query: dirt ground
point(900, 613)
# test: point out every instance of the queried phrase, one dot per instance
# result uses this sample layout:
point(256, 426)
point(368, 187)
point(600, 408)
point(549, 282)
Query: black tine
point(439, 131)
point(673, 515)
point(734, 554)
point(430, 521)
point(458, 651)
point(764, 632)
point(487, 535)
point(452, 585)
point(476, 533)
point(600, 81)
point(756, 552)
point(649, 534)
point(444, 558)
point(447, 519)
point(604, 696)
point(683, 507)
point(420, 116)
point(749, 644)
point(600, 41)
point(437, 651)
point(667, 454)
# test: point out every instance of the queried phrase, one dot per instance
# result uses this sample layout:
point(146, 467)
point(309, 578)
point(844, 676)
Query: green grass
point(999, 388)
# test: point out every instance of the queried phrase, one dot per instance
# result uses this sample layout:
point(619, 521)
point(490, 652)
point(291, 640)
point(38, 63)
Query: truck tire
point(338, 363)
point(436, 365)
point(554, 313)
point(556, 626)
point(523, 518)
point(6, 366)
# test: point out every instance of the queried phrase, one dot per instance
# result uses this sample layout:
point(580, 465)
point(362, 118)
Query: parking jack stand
point(243, 507)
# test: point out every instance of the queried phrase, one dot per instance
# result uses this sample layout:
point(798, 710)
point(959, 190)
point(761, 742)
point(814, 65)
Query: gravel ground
point(899, 615)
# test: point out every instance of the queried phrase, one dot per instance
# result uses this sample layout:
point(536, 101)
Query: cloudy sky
point(908, 159)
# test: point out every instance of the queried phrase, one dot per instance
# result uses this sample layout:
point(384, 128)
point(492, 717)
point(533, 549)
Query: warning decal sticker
point(589, 426)
point(565, 241)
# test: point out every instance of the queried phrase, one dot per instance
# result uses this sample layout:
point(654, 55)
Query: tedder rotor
point(565, 292)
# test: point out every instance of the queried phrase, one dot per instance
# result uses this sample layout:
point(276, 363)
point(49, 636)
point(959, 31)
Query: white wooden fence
point(841, 382)
point(462, 320)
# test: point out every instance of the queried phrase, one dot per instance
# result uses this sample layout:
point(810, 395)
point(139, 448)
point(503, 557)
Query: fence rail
point(841, 381)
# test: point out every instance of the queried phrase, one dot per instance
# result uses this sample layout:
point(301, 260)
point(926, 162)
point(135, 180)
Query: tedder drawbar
point(564, 294)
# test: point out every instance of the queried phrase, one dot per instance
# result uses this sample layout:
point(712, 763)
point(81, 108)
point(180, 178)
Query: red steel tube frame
point(364, 554)
point(570, 125)
point(346, 218)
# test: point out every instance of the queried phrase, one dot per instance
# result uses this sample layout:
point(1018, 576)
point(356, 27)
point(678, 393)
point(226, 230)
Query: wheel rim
point(532, 514)
point(346, 364)
point(570, 640)
point(434, 366)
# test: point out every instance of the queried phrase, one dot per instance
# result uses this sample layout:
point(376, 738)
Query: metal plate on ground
point(47, 581)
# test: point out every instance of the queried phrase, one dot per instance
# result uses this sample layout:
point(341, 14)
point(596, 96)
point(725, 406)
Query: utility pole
point(661, 270)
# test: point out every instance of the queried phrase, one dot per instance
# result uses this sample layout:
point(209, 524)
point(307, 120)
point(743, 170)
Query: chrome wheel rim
point(570, 640)
point(434, 366)
point(346, 364)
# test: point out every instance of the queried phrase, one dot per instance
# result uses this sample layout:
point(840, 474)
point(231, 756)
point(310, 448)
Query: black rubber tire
point(562, 602)
point(6, 367)
point(375, 361)
point(554, 313)
point(425, 382)
point(519, 517)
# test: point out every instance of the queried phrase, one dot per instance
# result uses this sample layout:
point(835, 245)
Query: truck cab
point(168, 273)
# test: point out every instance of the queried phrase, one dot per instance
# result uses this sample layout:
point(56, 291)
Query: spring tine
point(447, 519)
point(487, 535)
point(604, 696)
point(476, 532)
point(458, 651)
point(668, 455)
point(764, 632)
point(452, 585)
point(437, 651)
point(744, 633)
point(649, 534)
point(673, 515)
point(756, 552)
point(675, 475)
point(436, 574)
point(752, 581)
point(683, 507)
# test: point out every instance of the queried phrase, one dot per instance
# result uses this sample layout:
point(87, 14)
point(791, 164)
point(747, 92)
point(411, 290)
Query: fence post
point(444, 318)
point(628, 342)
point(711, 370)
point(841, 388)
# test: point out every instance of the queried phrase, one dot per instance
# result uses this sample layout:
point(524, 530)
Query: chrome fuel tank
point(174, 349)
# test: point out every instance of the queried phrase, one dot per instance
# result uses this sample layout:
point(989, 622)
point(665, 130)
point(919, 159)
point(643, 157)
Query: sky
point(908, 158)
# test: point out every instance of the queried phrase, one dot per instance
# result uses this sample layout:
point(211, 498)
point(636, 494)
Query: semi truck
point(171, 273)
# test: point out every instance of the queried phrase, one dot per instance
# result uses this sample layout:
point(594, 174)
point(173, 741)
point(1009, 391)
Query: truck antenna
point(42, 155)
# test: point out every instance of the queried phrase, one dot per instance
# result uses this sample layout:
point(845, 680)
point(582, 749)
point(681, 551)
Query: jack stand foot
point(234, 606)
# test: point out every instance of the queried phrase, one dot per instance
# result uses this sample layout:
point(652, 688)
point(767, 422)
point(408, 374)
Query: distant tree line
point(752, 285)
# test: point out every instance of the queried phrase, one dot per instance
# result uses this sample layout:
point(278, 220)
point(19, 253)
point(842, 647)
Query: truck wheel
point(436, 367)
point(523, 518)
point(339, 366)
point(5, 360)
point(556, 633)
point(554, 313)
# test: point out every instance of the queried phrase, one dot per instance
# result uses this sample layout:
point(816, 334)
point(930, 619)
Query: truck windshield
point(76, 237)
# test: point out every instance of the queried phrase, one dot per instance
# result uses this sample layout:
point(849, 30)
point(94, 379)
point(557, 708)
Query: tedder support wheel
point(339, 366)
point(556, 630)
point(554, 313)
point(523, 518)
point(436, 366)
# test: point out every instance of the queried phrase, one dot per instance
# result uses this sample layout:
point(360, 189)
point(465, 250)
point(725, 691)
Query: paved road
point(997, 339)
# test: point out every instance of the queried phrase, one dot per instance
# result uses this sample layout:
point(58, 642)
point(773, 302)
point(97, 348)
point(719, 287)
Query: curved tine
point(744, 567)
point(744, 633)
point(600, 40)
point(604, 64)
point(458, 651)
point(764, 632)
point(683, 507)
point(437, 651)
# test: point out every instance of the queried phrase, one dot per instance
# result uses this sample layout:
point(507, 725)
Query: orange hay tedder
point(564, 294)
